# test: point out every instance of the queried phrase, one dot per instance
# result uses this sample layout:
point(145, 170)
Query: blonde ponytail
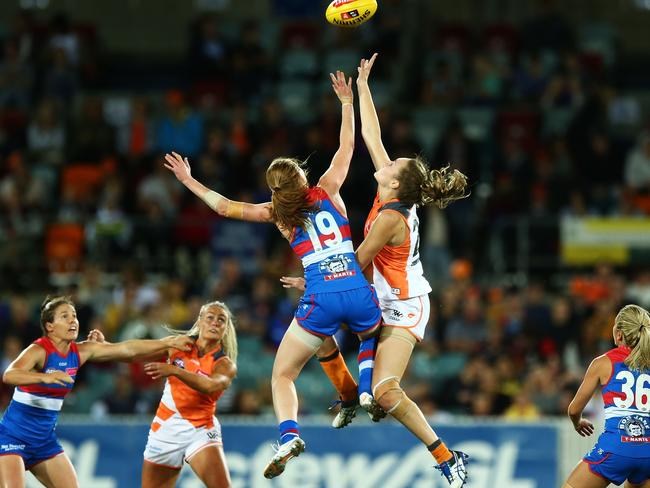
point(634, 323)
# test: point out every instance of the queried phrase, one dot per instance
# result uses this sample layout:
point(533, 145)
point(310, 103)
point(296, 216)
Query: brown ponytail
point(634, 323)
point(420, 186)
point(290, 200)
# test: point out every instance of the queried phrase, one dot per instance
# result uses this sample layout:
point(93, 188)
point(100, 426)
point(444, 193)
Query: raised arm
point(333, 178)
point(370, 129)
point(223, 373)
point(22, 370)
point(130, 350)
point(386, 227)
point(599, 368)
point(223, 206)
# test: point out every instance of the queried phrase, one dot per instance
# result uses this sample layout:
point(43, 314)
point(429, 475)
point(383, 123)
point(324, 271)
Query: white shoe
point(345, 415)
point(455, 470)
point(283, 453)
point(368, 403)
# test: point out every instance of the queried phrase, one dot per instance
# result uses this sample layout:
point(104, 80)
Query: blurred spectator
point(93, 138)
point(16, 78)
point(522, 409)
point(180, 129)
point(60, 79)
point(46, 135)
point(63, 38)
point(637, 164)
point(208, 51)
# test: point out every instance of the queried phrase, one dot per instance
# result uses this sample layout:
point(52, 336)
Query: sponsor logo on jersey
point(396, 314)
point(396, 291)
point(71, 371)
point(635, 427)
point(336, 267)
point(179, 362)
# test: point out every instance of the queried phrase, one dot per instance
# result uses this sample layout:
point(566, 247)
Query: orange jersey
point(397, 270)
point(182, 401)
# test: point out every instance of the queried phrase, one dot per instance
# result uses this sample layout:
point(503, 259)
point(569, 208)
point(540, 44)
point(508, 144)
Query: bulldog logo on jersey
point(635, 426)
point(336, 267)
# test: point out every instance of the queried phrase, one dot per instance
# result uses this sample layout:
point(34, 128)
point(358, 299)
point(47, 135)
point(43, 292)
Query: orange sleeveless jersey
point(397, 270)
point(180, 399)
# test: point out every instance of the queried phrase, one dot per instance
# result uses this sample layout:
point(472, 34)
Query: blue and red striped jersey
point(34, 409)
point(626, 396)
point(325, 248)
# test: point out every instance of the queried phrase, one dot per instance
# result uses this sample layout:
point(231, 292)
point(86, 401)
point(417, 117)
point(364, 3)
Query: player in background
point(314, 221)
point(391, 245)
point(43, 374)
point(622, 453)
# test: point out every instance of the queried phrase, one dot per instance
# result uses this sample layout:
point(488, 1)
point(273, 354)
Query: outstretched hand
point(584, 427)
point(293, 282)
point(342, 89)
point(158, 370)
point(364, 69)
point(96, 335)
point(180, 342)
point(179, 166)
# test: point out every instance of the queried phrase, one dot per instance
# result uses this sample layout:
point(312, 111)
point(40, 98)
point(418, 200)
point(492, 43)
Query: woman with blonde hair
point(185, 428)
point(314, 221)
point(622, 452)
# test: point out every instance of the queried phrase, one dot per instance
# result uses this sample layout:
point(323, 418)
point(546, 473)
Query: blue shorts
point(616, 468)
point(322, 313)
point(32, 452)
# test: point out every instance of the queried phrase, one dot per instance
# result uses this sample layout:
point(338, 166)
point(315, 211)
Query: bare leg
point(291, 357)
point(582, 477)
point(156, 476)
point(393, 355)
point(12, 472)
point(209, 464)
point(57, 472)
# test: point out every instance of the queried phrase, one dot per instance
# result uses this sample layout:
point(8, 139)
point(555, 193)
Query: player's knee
point(388, 394)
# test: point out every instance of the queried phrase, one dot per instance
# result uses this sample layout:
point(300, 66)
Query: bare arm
point(130, 350)
point(220, 379)
point(384, 229)
point(22, 370)
point(599, 368)
point(180, 166)
point(333, 178)
point(370, 129)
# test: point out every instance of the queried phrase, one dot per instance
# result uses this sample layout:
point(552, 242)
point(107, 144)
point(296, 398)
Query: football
point(350, 13)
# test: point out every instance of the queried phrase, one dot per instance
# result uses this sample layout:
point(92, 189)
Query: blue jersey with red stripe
point(325, 248)
point(34, 409)
point(627, 408)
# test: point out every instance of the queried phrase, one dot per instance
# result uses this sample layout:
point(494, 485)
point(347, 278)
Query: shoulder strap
point(218, 355)
point(397, 207)
point(45, 343)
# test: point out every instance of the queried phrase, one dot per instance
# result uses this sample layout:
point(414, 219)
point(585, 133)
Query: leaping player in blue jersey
point(43, 374)
point(314, 221)
point(622, 453)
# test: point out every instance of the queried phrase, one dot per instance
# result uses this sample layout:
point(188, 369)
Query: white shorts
point(411, 314)
point(177, 440)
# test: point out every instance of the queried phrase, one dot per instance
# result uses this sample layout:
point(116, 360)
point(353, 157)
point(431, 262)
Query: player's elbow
point(7, 378)
point(573, 410)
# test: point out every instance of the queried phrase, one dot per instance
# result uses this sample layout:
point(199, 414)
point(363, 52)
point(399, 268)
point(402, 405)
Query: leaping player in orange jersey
point(185, 428)
point(391, 246)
